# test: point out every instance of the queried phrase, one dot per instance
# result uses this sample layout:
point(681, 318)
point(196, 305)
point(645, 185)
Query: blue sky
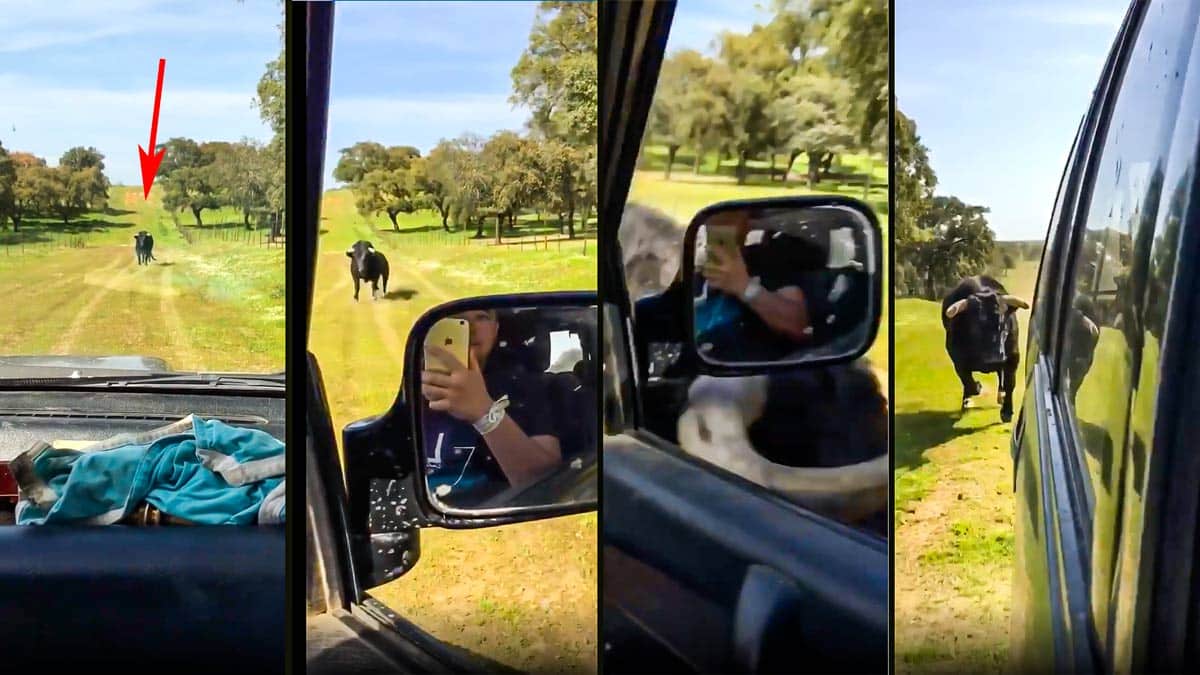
point(997, 91)
point(413, 73)
point(77, 72)
point(697, 23)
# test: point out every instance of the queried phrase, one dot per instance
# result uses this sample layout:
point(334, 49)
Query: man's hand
point(726, 271)
point(462, 393)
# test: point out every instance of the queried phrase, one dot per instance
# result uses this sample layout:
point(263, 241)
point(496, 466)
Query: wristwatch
point(492, 418)
point(752, 289)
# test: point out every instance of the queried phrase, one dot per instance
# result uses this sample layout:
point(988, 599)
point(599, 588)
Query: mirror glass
point(508, 408)
point(778, 284)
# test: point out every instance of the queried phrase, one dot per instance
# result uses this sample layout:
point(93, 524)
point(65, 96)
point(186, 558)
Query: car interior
point(527, 337)
point(123, 593)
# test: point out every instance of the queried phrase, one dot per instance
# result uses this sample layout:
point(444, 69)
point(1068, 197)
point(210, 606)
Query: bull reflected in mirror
point(816, 436)
point(781, 284)
point(982, 336)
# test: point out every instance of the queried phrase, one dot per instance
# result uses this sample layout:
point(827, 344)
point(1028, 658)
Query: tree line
point(215, 174)
point(549, 169)
point(938, 239)
point(30, 187)
point(812, 81)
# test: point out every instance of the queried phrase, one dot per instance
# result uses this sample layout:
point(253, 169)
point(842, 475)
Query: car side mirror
point(502, 393)
point(782, 282)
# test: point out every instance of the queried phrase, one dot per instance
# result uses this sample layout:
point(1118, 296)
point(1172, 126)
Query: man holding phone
point(761, 278)
point(488, 419)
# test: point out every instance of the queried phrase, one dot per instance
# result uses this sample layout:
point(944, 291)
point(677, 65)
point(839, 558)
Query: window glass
point(754, 101)
point(461, 153)
point(1046, 278)
point(102, 269)
point(1104, 343)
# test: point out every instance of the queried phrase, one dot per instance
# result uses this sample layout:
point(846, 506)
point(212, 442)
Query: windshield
point(98, 276)
point(461, 162)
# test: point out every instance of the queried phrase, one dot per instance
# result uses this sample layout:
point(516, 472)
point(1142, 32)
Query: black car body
point(1105, 461)
point(702, 570)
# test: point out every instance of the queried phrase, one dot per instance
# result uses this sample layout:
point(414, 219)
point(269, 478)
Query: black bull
point(367, 264)
point(982, 336)
point(143, 245)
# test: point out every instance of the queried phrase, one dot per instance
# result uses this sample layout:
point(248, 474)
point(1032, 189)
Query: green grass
point(214, 305)
point(684, 195)
point(954, 501)
point(522, 594)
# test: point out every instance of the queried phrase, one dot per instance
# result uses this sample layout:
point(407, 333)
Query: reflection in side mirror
point(783, 281)
point(506, 403)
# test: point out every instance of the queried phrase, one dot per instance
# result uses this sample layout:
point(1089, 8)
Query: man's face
point(484, 329)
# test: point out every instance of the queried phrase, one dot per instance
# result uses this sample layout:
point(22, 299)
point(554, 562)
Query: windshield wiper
point(188, 380)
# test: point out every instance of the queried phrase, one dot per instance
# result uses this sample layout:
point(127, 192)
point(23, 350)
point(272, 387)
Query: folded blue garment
point(201, 470)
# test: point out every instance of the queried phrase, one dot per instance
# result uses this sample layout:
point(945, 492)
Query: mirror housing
point(578, 476)
point(832, 242)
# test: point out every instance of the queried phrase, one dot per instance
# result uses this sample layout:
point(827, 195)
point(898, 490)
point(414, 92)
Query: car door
point(346, 630)
point(702, 570)
point(1101, 566)
point(363, 522)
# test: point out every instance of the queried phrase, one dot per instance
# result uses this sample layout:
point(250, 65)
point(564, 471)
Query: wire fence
point(20, 244)
point(583, 243)
point(239, 235)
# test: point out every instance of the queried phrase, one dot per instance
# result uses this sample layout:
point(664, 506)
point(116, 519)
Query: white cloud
point(420, 29)
point(420, 122)
point(34, 24)
point(50, 119)
point(698, 31)
point(909, 90)
point(1071, 15)
point(471, 111)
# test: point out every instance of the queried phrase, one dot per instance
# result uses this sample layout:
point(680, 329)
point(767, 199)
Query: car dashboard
point(180, 596)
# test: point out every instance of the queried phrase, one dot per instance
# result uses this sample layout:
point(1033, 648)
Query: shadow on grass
point(42, 231)
point(413, 230)
point(24, 236)
point(402, 294)
point(917, 432)
point(228, 225)
point(110, 211)
point(165, 264)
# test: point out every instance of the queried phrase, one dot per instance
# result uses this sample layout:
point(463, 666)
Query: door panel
point(725, 576)
point(1051, 628)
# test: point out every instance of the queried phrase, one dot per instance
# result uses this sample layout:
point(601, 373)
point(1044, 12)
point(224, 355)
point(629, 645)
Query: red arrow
point(150, 162)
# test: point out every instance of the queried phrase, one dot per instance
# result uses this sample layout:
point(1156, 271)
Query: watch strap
point(752, 289)
point(492, 418)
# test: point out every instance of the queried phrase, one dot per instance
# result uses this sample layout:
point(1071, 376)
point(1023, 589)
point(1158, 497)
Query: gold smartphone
point(451, 334)
point(723, 237)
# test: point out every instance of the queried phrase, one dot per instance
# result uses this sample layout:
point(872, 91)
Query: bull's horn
point(371, 249)
point(954, 309)
point(716, 433)
point(1014, 301)
point(350, 251)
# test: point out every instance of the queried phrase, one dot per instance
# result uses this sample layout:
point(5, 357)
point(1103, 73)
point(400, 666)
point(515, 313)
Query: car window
point(451, 164)
point(142, 221)
point(759, 107)
point(1047, 271)
point(103, 271)
point(1108, 361)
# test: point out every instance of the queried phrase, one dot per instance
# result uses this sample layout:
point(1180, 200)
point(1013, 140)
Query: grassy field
point(954, 501)
point(685, 194)
point(215, 304)
point(523, 594)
